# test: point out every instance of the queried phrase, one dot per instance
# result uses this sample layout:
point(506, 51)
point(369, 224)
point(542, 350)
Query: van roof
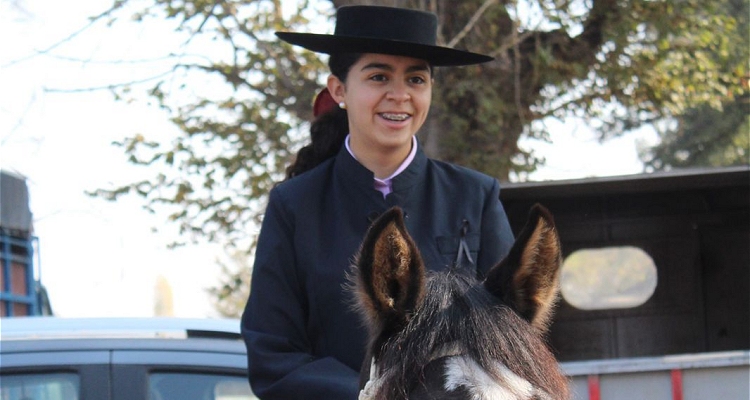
point(24, 328)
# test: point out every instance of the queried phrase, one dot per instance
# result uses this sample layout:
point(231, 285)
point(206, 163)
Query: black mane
point(458, 310)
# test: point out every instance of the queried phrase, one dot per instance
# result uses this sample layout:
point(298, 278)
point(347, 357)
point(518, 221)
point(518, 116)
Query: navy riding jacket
point(303, 339)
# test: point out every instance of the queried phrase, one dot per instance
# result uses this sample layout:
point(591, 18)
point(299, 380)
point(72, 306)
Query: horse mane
point(458, 310)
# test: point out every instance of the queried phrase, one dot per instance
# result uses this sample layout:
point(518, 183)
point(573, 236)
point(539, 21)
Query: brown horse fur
point(413, 314)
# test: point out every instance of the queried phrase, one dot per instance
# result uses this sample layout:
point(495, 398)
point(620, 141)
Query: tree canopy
point(706, 136)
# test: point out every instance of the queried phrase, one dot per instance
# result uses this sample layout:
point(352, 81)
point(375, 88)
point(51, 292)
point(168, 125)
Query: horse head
point(449, 335)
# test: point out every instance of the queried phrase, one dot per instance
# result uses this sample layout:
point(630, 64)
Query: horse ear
point(389, 272)
point(528, 278)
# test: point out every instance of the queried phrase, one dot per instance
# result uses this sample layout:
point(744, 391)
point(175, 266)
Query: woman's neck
point(382, 163)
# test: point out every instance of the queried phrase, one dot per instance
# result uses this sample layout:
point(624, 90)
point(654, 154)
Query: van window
point(190, 386)
point(607, 278)
point(40, 387)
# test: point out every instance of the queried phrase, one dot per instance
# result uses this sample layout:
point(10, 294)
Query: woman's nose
point(399, 92)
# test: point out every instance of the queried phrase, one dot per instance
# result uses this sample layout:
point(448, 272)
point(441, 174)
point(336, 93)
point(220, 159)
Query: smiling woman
point(304, 340)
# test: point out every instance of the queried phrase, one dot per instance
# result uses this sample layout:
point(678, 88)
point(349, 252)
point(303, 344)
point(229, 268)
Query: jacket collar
point(356, 173)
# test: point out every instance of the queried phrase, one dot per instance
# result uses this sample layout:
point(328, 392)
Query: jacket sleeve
point(280, 360)
point(496, 236)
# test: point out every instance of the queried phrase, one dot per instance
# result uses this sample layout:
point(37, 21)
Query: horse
point(450, 335)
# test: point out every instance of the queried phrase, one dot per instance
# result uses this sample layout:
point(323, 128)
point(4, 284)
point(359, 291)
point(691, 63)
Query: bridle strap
point(372, 385)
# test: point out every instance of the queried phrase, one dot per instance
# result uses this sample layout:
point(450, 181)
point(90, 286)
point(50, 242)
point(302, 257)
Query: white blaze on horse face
point(465, 372)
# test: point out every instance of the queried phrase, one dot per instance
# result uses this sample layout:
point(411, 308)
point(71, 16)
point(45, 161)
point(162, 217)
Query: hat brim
point(330, 44)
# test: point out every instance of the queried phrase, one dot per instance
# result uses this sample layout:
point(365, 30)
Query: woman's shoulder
point(460, 174)
point(303, 187)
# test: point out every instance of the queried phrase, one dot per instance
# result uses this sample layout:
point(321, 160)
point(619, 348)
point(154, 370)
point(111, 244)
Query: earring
point(342, 105)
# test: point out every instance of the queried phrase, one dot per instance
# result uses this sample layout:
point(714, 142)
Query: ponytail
point(328, 131)
point(327, 135)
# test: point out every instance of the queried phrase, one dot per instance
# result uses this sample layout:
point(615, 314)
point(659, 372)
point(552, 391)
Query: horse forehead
point(465, 377)
point(445, 288)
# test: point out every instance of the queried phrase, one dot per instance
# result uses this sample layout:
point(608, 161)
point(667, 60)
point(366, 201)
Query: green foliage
point(238, 126)
point(707, 135)
point(704, 137)
point(651, 67)
point(232, 292)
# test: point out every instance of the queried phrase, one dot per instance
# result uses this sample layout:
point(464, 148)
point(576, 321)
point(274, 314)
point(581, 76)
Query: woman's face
point(387, 99)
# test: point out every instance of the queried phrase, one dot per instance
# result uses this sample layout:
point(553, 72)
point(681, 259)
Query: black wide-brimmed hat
point(385, 30)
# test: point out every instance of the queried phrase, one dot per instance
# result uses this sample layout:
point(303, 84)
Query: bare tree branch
point(118, 4)
point(114, 85)
point(471, 23)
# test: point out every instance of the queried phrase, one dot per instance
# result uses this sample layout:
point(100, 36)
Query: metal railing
point(20, 289)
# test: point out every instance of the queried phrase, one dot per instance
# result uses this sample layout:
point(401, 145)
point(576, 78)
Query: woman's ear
point(337, 88)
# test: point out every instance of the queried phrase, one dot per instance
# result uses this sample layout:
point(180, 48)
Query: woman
point(304, 340)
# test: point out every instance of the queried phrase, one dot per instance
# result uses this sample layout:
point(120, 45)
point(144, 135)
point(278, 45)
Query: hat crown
point(376, 22)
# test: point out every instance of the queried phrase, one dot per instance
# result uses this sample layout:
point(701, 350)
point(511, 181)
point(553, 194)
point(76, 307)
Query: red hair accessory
point(323, 103)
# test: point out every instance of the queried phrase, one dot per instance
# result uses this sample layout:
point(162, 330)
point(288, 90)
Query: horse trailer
point(655, 283)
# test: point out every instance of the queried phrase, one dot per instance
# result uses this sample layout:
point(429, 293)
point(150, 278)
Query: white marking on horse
point(465, 372)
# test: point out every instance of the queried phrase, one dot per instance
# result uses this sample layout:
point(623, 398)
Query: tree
point(704, 136)
point(231, 294)
point(619, 64)
point(240, 131)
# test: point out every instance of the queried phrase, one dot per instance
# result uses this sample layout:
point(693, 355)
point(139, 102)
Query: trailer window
point(606, 278)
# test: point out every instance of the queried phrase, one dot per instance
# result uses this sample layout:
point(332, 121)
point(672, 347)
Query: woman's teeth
point(394, 116)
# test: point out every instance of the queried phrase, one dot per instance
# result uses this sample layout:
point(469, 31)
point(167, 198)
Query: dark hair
point(328, 131)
